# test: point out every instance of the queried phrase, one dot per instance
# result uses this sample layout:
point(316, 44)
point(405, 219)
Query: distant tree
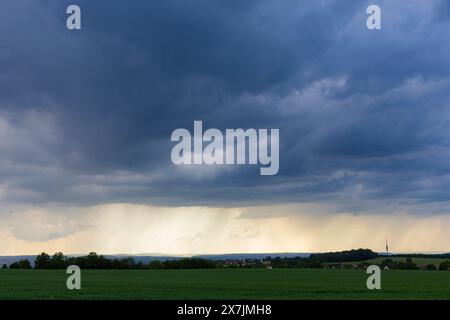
point(42, 261)
point(430, 267)
point(444, 266)
point(58, 261)
point(25, 264)
point(124, 263)
point(92, 260)
point(21, 264)
point(4, 266)
point(408, 265)
point(155, 264)
point(391, 264)
point(363, 265)
point(315, 264)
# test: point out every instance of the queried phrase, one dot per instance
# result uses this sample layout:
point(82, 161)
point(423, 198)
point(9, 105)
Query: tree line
point(345, 256)
point(95, 261)
point(410, 265)
point(315, 261)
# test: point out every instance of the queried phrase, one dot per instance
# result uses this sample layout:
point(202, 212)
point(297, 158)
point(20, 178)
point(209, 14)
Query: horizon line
point(187, 255)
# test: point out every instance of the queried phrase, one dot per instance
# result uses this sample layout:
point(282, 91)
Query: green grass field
point(224, 284)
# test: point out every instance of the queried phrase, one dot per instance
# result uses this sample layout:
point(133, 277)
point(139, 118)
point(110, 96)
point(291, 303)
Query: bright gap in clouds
point(134, 229)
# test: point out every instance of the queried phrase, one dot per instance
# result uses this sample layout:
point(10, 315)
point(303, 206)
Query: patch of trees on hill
point(21, 264)
point(345, 256)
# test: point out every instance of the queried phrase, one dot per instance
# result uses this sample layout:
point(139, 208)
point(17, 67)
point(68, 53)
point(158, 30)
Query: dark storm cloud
point(442, 10)
point(86, 116)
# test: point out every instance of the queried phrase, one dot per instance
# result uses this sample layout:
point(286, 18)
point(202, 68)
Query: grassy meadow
point(224, 284)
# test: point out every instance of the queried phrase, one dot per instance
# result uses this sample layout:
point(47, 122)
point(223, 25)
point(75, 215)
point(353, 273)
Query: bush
point(391, 264)
point(408, 265)
point(22, 264)
point(444, 266)
point(363, 265)
point(430, 267)
point(155, 264)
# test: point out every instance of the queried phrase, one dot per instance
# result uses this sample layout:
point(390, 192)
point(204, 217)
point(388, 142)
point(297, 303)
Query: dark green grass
point(224, 284)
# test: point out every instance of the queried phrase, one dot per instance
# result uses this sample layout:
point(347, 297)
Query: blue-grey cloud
point(86, 116)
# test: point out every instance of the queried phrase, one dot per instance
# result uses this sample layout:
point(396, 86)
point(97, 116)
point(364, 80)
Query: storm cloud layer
point(86, 116)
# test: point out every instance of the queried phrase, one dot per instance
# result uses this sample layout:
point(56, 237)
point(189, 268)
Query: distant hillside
point(10, 259)
point(242, 256)
point(144, 258)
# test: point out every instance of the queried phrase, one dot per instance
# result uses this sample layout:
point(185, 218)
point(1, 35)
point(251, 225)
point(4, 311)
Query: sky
point(86, 118)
